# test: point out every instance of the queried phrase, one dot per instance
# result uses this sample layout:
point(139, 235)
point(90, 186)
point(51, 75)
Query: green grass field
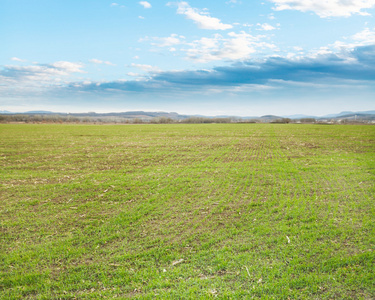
point(231, 211)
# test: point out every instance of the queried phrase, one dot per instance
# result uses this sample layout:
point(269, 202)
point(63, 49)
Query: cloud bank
point(235, 88)
point(357, 66)
point(326, 8)
point(42, 71)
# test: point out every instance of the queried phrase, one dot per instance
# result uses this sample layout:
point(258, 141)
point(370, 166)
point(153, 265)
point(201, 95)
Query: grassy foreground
point(234, 211)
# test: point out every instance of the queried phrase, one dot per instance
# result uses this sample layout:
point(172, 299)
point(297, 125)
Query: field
point(226, 211)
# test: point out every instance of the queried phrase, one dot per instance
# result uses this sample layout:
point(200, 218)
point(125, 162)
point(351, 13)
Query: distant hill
point(332, 116)
point(147, 116)
point(135, 114)
point(270, 118)
point(347, 113)
point(32, 112)
point(299, 116)
point(128, 114)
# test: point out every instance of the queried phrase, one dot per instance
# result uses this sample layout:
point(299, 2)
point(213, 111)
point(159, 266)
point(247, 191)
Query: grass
point(227, 211)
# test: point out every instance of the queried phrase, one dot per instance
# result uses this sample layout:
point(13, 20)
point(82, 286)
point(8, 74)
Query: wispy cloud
point(201, 18)
point(172, 40)
point(144, 67)
point(40, 71)
point(265, 26)
point(19, 80)
point(327, 8)
point(98, 61)
point(342, 48)
point(145, 4)
point(114, 4)
point(362, 38)
point(17, 59)
point(236, 46)
point(232, 46)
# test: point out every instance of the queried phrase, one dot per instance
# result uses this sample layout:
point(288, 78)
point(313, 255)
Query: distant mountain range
point(341, 114)
point(359, 115)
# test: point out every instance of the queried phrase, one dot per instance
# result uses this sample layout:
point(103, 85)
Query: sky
point(222, 57)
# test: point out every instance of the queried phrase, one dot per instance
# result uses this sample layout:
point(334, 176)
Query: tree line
point(52, 118)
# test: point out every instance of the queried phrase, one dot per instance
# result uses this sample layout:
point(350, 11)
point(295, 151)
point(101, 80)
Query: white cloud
point(271, 17)
point(146, 68)
point(97, 61)
point(233, 46)
point(25, 80)
point(66, 67)
point(363, 38)
point(202, 19)
point(132, 74)
point(237, 46)
point(343, 48)
point(145, 4)
point(140, 17)
point(59, 68)
point(265, 26)
point(17, 59)
point(114, 4)
point(326, 8)
point(172, 40)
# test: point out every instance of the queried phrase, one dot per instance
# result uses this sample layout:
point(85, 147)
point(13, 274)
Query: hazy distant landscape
point(137, 117)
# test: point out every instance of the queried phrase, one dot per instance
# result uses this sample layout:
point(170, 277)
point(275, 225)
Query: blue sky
point(235, 57)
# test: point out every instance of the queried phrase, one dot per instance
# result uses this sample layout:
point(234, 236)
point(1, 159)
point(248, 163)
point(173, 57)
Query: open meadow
point(226, 211)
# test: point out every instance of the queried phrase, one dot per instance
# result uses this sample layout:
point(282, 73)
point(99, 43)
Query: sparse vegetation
point(308, 120)
point(282, 121)
point(232, 211)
